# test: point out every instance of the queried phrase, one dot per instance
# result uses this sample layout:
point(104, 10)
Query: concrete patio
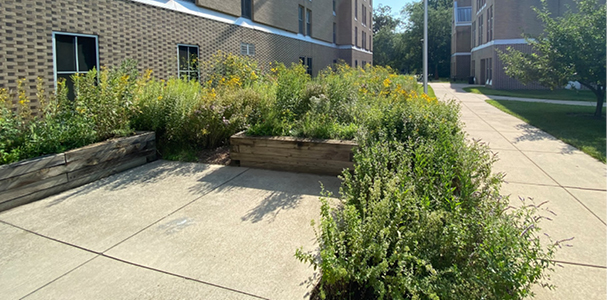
point(171, 230)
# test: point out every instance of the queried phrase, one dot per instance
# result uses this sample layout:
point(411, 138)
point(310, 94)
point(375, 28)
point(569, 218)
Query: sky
point(396, 5)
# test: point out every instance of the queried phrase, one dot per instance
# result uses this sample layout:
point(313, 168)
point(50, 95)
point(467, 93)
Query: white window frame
point(249, 47)
point(178, 66)
point(76, 49)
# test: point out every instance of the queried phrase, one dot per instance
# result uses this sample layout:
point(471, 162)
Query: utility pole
point(426, 46)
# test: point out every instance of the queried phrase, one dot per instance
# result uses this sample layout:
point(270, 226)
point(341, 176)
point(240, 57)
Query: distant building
point(494, 25)
point(55, 39)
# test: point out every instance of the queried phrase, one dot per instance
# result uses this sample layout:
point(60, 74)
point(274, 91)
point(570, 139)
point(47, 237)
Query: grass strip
point(566, 95)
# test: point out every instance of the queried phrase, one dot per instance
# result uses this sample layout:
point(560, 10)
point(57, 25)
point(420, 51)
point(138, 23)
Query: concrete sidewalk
point(539, 166)
point(166, 230)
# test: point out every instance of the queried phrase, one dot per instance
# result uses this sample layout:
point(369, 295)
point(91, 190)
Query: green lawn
point(574, 125)
point(431, 91)
point(572, 95)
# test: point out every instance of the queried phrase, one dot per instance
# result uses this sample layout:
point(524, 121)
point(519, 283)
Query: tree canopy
point(403, 50)
point(572, 47)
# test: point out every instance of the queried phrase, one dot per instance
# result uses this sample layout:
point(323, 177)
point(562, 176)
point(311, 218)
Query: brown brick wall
point(230, 7)
point(127, 29)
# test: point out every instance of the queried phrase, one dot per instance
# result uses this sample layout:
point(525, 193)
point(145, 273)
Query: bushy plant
point(420, 216)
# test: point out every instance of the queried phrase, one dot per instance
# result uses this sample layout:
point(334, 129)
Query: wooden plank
point(289, 142)
point(31, 165)
point(33, 196)
point(33, 187)
point(307, 145)
point(85, 152)
point(316, 153)
point(106, 155)
point(101, 173)
point(110, 165)
point(31, 177)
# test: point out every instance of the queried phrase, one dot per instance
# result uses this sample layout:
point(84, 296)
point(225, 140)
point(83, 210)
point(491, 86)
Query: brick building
point(55, 39)
point(494, 25)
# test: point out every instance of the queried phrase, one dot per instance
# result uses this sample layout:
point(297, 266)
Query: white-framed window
point(364, 40)
point(364, 15)
point(355, 9)
point(247, 49)
point(74, 53)
point(187, 62)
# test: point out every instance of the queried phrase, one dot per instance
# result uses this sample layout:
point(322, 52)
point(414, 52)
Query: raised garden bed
point(30, 180)
point(285, 153)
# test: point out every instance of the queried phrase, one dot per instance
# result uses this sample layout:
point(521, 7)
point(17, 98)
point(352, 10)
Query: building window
point(364, 40)
point(334, 33)
point(473, 70)
point(308, 22)
point(247, 49)
point(188, 62)
point(480, 30)
point(370, 19)
point(307, 63)
point(74, 54)
point(356, 63)
point(480, 4)
point(490, 24)
point(464, 14)
point(364, 15)
point(473, 34)
point(489, 71)
point(301, 19)
point(247, 9)
point(334, 7)
point(355, 36)
point(355, 9)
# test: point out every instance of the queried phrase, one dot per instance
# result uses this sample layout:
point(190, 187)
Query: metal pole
point(426, 46)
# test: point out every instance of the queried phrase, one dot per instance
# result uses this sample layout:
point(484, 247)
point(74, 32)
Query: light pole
point(426, 46)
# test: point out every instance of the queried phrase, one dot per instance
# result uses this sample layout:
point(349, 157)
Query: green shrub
point(420, 216)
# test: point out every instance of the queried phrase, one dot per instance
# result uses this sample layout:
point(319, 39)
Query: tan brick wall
point(127, 29)
point(230, 7)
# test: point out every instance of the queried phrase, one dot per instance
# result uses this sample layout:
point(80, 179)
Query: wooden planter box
point(30, 180)
point(317, 156)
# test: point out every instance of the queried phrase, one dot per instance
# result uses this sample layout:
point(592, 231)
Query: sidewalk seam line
point(579, 264)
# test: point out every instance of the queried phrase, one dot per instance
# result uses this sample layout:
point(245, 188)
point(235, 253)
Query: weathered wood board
point(317, 156)
point(30, 180)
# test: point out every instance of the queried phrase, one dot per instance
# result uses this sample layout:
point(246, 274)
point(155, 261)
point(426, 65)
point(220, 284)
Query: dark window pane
point(69, 84)
point(87, 53)
point(65, 53)
point(247, 9)
point(193, 58)
point(183, 58)
point(194, 76)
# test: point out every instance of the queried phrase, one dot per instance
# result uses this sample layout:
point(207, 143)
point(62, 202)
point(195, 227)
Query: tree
point(384, 37)
point(382, 18)
point(440, 14)
point(571, 48)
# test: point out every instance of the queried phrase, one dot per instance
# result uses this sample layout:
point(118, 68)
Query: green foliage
point(420, 216)
point(334, 105)
point(100, 111)
point(571, 48)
